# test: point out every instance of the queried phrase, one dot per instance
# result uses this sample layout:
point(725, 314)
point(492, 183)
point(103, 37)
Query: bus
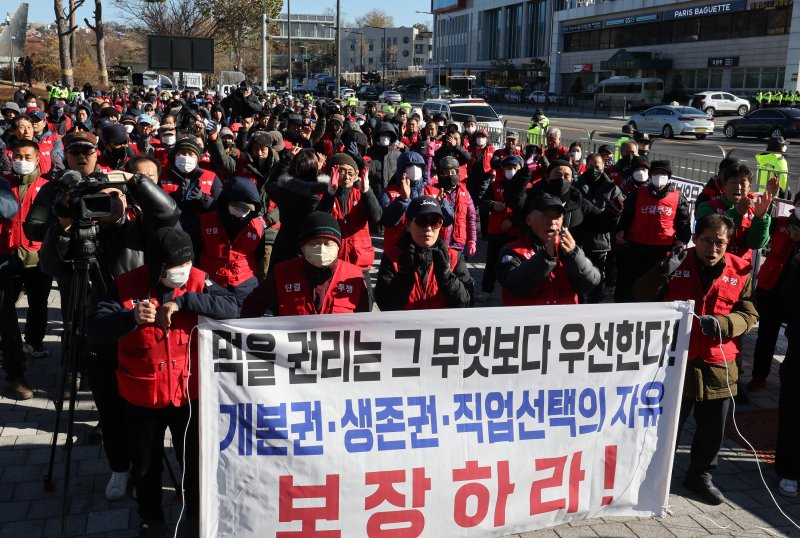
point(630, 92)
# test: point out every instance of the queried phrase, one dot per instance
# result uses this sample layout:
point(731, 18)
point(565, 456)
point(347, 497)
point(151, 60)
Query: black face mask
point(559, 187)
point(448, 183)
point(595, 173)
point(117, 153)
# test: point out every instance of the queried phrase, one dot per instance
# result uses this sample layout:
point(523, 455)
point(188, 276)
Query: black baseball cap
point(423, 205)
point(542, 202)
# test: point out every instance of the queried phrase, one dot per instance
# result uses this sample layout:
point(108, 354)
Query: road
point(689, 149)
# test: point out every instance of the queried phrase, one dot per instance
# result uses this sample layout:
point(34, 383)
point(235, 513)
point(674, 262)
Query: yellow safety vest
point(770, 164)
point(618, 146)
point(352, 100)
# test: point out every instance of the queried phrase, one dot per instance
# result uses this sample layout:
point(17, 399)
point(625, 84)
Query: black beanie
point(188, 142)
point(319, 224)
point(344, 158)
point(173, 246)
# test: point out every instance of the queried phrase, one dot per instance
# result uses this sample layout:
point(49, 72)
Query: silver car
point(669, 121)
point(391, 96)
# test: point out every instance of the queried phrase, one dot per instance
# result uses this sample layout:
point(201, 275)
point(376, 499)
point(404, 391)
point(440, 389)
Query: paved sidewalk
point(27, 511)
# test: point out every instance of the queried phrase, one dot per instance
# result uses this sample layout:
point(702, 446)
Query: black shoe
point(20, 388)
point(152, 529)
point(95, 436)
point(702, 485)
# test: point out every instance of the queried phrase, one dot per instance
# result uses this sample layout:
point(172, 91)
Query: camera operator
point(121, 240)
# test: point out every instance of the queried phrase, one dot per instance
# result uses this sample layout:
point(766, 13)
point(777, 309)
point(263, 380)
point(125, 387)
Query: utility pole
point(289, 32)
point(264, 49)
point(338, 48)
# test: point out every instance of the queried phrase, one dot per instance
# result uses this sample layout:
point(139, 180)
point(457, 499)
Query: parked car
point(513, 96)
point(670, 120)
point(496, 93)
point(391, 97)
point(715, 102)
point(767, 122)
point(541, 98)
point(344, 93)
point(457, 110)
point(367, 93)
point(480, 92)
point(298, 88)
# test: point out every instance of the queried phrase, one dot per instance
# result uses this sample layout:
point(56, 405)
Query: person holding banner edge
point(721, 287)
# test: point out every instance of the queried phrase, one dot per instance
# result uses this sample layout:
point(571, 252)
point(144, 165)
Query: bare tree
point(375, 17)
point(65, 32)
point(100, 41)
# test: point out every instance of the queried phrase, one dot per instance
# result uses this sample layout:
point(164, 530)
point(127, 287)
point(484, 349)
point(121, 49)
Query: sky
point(42, 11)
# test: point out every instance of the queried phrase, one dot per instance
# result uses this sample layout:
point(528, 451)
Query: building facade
point(364, 49)
point(737, 45)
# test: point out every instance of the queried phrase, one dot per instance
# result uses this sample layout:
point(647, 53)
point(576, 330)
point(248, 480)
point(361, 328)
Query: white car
point(714, 102)
point(344, 93)
point(541, 97)
point(458, 110)
point(391, 96)
point(669, 121)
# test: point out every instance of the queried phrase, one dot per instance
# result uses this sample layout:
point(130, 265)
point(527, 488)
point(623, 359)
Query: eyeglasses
point(720, 244)
point(432, 221)
point(81, 151)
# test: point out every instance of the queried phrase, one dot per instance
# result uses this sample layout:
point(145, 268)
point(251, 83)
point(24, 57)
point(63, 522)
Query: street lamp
point(384, 48)
point(360, 56)
point(435, 43)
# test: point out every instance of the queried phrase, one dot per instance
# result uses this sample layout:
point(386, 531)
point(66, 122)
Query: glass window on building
point(715, 79)
point(755, 24)
point(701, 82)
point(737, 78)
point(769, 78)
point(751, 78)
point(777, 21)
point(537, 29)
point(513, 36)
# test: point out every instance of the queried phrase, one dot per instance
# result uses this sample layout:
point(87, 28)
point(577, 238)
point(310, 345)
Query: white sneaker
point(788, 488)
point(117, 486)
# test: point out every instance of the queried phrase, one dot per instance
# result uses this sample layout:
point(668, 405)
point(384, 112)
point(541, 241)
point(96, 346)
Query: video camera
point(81, 199)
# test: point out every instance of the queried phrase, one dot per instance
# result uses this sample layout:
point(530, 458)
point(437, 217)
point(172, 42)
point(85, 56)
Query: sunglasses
point(434, 221)
point(81, 151)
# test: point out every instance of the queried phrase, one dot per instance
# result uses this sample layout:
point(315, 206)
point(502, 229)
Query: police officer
point(316, 282)
point(150, 312)
point(545, 266)
point(719, 283)
point(538, 128)
point(627, 134)
point(772, 163)
point(655, 220)
point(420, 271)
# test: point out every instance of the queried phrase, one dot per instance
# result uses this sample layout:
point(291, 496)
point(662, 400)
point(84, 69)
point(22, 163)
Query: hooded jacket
point(383, 159)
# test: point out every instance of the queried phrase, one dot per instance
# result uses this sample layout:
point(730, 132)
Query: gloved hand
point(441, 259)
point(195, 193)
point(710, 326)
point(671, 264)
point(472, 248)
point(211, 127)
point(405, 262)
point(333, 185)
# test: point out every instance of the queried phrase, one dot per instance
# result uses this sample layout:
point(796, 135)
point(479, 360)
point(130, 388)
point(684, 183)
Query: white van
point(457, 110)
point(631, 92)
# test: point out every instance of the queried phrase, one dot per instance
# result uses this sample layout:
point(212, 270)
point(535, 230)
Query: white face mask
point(783, 149)
point(640, 176)
point(509, 173)
point(660, 180)
point(176, 277)
point(32, 104)
point(470, 129)
point(129, 129)
point(384, 140)
point(576, 155)
point(480, 141)
point(360, 122)
point(238, 212)
point(413, 173)
point(24, 168)
point(320, 255)
point(169, 140)
point(185, 164)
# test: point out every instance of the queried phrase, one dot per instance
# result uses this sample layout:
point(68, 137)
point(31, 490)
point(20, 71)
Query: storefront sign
point(631, 20)
point(583, 27)
point(768, 4)
point(731, 61)
point(719, 8)
point(582, 68)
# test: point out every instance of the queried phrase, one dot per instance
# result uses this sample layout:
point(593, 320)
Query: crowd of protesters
point(257, 204)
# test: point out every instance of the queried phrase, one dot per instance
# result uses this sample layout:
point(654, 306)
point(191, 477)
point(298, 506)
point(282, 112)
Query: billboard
point(175, 53)
point(443, 6)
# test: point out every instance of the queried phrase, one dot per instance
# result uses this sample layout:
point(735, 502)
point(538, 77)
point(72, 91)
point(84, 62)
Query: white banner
point(438, 423)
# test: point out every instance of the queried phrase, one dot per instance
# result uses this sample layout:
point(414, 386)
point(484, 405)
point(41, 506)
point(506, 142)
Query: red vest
point(205, 162)
point(724, 293)
point(153, 363)
point(424, 295)
point(738, 243)
point(392, 233)
point(242, 170)
point(170, 184)
point(356, 242)
point(779, 253)
point(496, 218)
point(45, 153)
point(161, 154)
point(555, 289)
point(296, 298)
point(12, 236)
point(229, 263)
point(653, 219)
point(486, 160)
point(460, 210)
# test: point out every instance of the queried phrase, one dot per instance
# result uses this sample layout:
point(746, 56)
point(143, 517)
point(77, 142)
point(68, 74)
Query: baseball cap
point(543, 202)
point(423, 205)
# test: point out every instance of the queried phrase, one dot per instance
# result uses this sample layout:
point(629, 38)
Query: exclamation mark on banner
point(610, 474)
